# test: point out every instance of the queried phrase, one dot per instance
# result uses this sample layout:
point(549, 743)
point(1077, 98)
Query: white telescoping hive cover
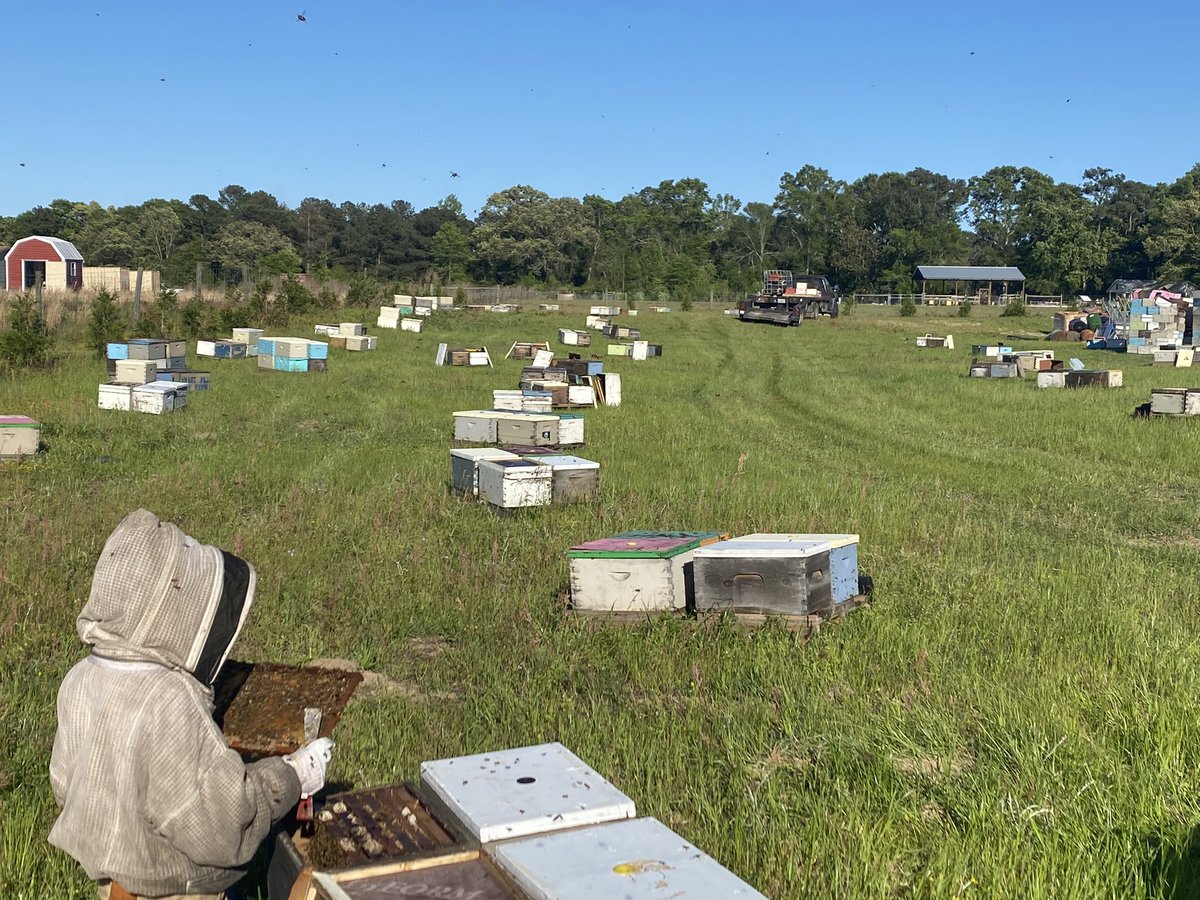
point(478, 453)
point(757, 549)
point(566, 463)
point(834, 540)
point(635, 859)
point(529, 790)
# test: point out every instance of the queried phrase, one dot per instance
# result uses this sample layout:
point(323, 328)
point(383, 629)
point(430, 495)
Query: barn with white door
point(57, 261)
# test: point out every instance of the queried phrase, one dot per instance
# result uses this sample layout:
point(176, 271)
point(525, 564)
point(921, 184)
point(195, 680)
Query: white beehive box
point(464, 466)
point(413, 325)
point(19, 437)
point(135, 371)
point(641, 350)
point(477, 425)
point(116, 396)
point(515, 483)
point(634, 859)
point(570, 429)
point(644, 573)
point(568, 336)
point(1052, 379)
point(512, 400)
point(159, 398)
point(249, 337)
point(351, 329)
point(362, 342)
point(581, 393)
point(526, 791)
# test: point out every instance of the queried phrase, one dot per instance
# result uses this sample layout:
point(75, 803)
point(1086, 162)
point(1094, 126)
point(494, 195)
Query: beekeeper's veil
point(158, 595)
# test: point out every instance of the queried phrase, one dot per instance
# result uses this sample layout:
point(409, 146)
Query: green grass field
point(1013, 716)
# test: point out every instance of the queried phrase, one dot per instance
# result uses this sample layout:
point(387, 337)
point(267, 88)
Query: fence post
point(199, 279)
point(137, 296)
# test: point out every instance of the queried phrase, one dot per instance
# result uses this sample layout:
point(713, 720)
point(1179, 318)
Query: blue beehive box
point(266, 346)
point(118, 351)
point(291, 364)
point(318, 350)
point(196, 381)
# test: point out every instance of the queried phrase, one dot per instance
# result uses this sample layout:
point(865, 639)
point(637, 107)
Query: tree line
point(676, 238)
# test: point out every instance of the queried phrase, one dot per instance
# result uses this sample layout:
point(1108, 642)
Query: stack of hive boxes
point(511, 480)
point(930, 340)
point(148, 375)
point(574, 337)
point(518, 428)
point(292, 354)
point(636, 571)
point(19, 437)
point(1155, 324)
point(165, 354)
point(517, 823)
point(156, 397)
point(389, 317)
point(249, 337)
point(462, 356)
point(635, 350)
point(1175, 402)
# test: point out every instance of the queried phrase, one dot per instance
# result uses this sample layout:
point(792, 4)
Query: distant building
point(57, 261)
point(980, 281)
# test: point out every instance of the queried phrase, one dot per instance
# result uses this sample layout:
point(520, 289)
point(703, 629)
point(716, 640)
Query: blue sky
point(120, 101)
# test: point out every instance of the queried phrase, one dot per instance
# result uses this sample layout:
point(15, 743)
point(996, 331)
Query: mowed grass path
point(1014, 716)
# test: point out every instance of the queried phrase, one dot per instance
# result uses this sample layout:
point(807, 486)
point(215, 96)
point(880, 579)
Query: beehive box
point(635, 859)
point(116, 396)
point(476, 425)
point(117, 351)
point(337, 342)
point(464, 466)
point(195, 380)
point(1107, 378)
point(933, 341)
point(291, 363)
point(266, 361)
point(1168, 401)
point(620, 349)
point(632, 574)
point(581, 395)
point(1052, 379)
point(362, 342)
point(537, 429)
point(570, 429)
point(575, 480)
point(460, 875)
point(221, 349)
point(171, 362)
point(135, 371)
point(793, 574)
point(19, 437)
point(525, 791)
point(413, 325)
point(389, 317)
point(374, 825)
point(351, 329)
point(159, 397)
point(147, 348)
point(515, 483)
point(511, 400)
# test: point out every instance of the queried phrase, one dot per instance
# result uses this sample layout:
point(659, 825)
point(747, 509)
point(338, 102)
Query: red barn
point(56, 260)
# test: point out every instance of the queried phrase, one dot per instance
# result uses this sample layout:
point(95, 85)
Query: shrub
point(295, 296)
point(907, 306)
point(105, 325)
point(1014, 307)
point(460, 297)
point(192, 318)
point(363, 291)
point(326, 298)
point(964, 309)
point(846, 306)
point(1073, 304)
point(686, 303)
point(25, 343)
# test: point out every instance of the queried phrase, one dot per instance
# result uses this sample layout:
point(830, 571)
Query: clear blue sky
point(119, 101)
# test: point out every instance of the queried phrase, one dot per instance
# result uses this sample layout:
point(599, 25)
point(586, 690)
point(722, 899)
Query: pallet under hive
point(260, 706)
point(373, 825)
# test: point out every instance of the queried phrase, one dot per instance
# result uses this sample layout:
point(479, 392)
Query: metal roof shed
point(974, 275)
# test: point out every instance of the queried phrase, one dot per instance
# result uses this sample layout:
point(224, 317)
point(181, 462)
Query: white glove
point(310, 763)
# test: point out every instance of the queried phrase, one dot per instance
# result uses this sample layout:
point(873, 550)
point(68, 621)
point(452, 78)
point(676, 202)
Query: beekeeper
point(154, 804)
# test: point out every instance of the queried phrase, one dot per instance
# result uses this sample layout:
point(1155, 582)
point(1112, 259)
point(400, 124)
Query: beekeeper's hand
point(310, 763)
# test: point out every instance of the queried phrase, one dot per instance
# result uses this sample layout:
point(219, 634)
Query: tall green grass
point(1013, 716)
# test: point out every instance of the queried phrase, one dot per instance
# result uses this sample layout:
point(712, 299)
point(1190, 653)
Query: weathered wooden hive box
point(515, 483)
point(362, 342)
point(1106, 378)
point(580, 367)
point(985, 368)
point(476, 425)
point(249, 337)
point(1175, 401)
point(464, 466)
point(135, 371)
point(1052, 379)
point(631, 574)
point(635, 859)
point(195, 380)
point(575, 480)
point(19, 437)
point(116, 396)
point(536, 429)
point(221, 349)
point(525, 791)
point(147, 348)
point(459, 875)
point(559, 391)
point(159, 397)
point(785, 574)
